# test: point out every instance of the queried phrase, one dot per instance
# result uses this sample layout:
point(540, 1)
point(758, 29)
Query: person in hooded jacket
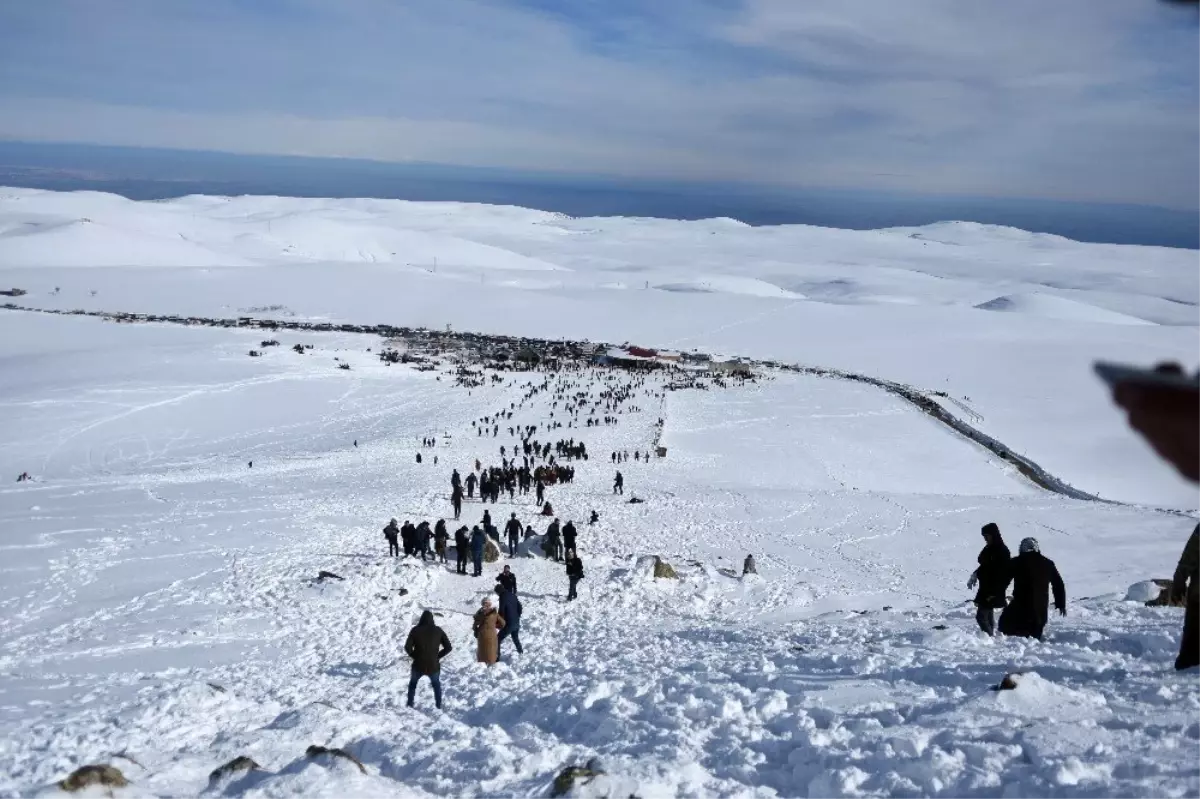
point(392, 534)
point(1033, 576)
point(427, 644)
point(510, 610)
point(1186, 586)
point(993, 568)
point(487, 625)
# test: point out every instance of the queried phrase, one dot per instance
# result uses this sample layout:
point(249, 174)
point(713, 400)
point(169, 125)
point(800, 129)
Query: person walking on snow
point(477, 542)
point(510, 610)
point(1033, 575)
point(619, 484)
point(392, 534)
point(456, 501)
point(1186, 584)
point(513, 530)
point(993, 567)
point(471, 481)
point(427, 644)
point(574, 574)
point(487, 625)
point(540, 489)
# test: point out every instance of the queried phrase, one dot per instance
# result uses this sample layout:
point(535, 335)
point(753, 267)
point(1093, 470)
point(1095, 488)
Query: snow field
point(149, 563)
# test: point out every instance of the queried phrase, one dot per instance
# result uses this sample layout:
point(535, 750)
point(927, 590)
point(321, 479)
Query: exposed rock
point(1010, 682)
point(87, 776)
point(315, 751)
point(567, 778)
point(241, 763)
point(491, 552)
point(664, 570)
point(324, 575)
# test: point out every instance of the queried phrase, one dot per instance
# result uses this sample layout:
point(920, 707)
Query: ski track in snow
point(136, 581)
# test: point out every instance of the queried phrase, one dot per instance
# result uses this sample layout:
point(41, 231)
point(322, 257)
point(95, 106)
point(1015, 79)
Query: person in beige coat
point(488, 624)
point(1186, 587)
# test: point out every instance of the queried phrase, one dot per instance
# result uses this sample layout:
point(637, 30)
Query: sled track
point(916, 397)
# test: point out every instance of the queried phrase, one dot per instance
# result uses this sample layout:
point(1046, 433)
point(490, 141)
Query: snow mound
point(973, 233)
point(1037, 698)
point(1051, 307)
point(1143, 591)
point(83, 242)
point(728, 284)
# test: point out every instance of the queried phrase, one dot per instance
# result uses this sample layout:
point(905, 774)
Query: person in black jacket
point(462, 548)
point(507, 579)
point(510, 610)
point(1185, 587)
point(993, 566)
point(392, 534)
point(513, 530)
point(427, 644)
point(1033, 575)
point(569, 534)
point(574, 574)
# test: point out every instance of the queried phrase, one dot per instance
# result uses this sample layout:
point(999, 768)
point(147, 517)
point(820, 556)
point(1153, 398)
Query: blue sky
point(1094, 100)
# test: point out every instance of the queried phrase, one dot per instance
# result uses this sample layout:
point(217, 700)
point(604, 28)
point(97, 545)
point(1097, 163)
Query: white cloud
point(1075, 99)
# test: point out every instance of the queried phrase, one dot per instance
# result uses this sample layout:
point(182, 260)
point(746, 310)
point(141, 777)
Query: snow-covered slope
point(157, 606)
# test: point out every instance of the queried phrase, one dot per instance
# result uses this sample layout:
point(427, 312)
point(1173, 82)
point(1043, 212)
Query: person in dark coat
point(418, 457)
point(478, 539)
point(619, 484)
point(427, 644)
point(569, 534)
point(507, 579)
point(471, 481)
point(1186, 586)
point(1033, 575)
point(993, 566)
point(540, 490)
point(513, 530)
point(392, 534)
point(440, 539)
point(456, 501)
point(510, 610)
point(462, 547)
point(424, 541)
point(554, 537)
point(574, 574)
point(408, 535)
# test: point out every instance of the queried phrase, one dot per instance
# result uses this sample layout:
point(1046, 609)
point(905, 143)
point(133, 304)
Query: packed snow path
point(157, 599)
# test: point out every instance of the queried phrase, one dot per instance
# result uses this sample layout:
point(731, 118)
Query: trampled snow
point(158, 610)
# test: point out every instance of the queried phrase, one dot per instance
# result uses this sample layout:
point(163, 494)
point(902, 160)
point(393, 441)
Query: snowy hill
point(159, 609)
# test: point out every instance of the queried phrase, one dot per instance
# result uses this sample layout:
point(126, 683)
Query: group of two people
point(1032, 576)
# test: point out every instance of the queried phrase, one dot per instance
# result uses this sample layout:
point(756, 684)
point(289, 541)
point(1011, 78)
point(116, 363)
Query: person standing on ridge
point(990, 576)
point(1033, 575)
point(392, 534)
point(427, 644)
